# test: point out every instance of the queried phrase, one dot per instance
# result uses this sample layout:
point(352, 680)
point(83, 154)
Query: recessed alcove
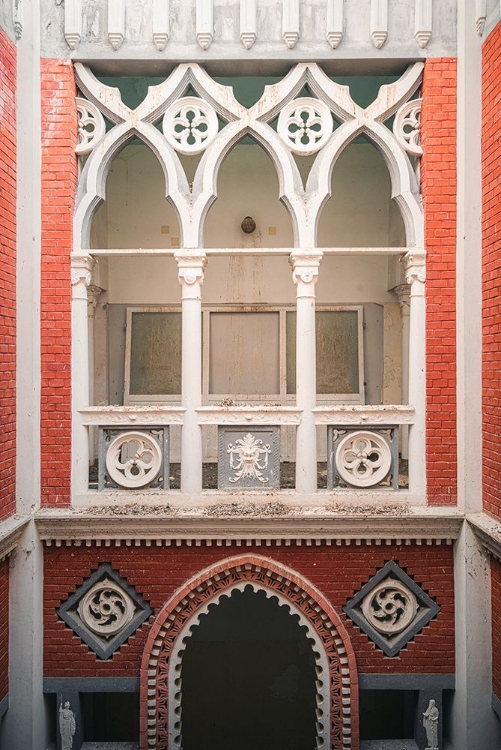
point(248, 678)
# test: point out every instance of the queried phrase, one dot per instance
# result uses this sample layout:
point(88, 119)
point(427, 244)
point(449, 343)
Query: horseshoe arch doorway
point(245, 657)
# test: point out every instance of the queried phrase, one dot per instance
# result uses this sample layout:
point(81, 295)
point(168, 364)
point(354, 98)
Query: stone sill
point(331, 501)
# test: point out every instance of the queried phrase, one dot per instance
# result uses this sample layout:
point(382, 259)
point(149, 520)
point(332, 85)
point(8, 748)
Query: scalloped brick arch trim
point(209, 585)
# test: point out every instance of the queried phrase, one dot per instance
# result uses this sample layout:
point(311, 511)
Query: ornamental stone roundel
point(407, 127)
point(390, 607)
point(91, 126)
point(133, 459)
point(106, 608)
point(363, 458)
point(305, 125)
point(189, 125)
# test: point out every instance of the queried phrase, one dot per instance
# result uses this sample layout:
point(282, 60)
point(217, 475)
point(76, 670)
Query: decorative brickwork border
point(187, 604)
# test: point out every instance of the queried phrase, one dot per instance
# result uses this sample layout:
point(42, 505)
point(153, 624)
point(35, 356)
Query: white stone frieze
point(364, 415)
point(131, 415)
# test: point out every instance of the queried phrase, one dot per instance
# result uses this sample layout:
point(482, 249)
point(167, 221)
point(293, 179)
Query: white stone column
point(415, 271)
point(191, 265)
point(93, 293)
point(81, 268)
point(304, 274)
point(403, 293)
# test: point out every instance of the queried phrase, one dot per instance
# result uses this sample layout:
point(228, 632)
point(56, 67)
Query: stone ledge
point(10, 533)
point(66, 527)
point(488, 531)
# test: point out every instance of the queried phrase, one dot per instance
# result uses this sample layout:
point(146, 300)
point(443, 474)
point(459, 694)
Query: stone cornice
point(488, 531)
point(10, 533)
point(368, 528)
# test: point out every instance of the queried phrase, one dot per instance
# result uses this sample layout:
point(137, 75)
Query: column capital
point(415, 267)
point(403, 292)
point(93, 294)
point(81, 274)
point(190, 267)
point(305, 267)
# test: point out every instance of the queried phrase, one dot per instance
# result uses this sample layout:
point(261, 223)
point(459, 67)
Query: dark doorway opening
point(248, 678)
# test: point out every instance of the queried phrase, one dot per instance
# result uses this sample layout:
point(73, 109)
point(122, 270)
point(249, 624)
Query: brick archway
point(207, 586)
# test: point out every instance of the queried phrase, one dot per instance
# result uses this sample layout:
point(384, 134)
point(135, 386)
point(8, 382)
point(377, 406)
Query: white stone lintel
point(248, 415)
point(364, 415)
point(131, 416)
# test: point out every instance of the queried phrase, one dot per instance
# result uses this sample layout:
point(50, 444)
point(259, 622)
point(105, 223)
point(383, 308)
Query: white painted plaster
point(24, 725)
point(473, 723)
point(469, 265)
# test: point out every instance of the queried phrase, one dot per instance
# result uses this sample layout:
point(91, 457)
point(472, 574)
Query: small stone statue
point(430, 725)
point(67, 726)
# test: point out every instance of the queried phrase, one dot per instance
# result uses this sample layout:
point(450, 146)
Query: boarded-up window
point(244, 353)
point(337, 351)
point(153, 353)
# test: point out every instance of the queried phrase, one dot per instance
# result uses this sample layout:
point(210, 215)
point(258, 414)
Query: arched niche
point(135, 212)
point(161, 686)
point(247, 185)
point(263, 662)
point(360, 211)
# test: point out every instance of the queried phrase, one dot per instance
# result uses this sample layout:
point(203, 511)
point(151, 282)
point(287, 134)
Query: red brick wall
point(4, 628)
point(338, 572)
point(7, 274)
point(491, 229)
point(496, 626)
point(59, 177)
point(438, 177)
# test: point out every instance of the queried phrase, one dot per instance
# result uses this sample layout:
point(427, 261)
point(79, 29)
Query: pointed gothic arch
point(332, 647)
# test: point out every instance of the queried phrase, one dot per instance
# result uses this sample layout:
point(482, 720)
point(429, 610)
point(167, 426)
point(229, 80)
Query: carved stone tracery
point(189, 125)
point(311, 117)
point(407, 127)
point(305, 125)
point(363, 458)
point(106, 608)
point(91, 126)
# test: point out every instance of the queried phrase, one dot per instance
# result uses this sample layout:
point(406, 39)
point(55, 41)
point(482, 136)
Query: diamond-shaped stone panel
point(104, 611)
point(391, 608)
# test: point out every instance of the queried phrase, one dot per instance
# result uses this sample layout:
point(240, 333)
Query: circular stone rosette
point(106, 609)
point(390, 607)
point(305, 125)
point(133, 460)
point(189, 125)
point(363, 459)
